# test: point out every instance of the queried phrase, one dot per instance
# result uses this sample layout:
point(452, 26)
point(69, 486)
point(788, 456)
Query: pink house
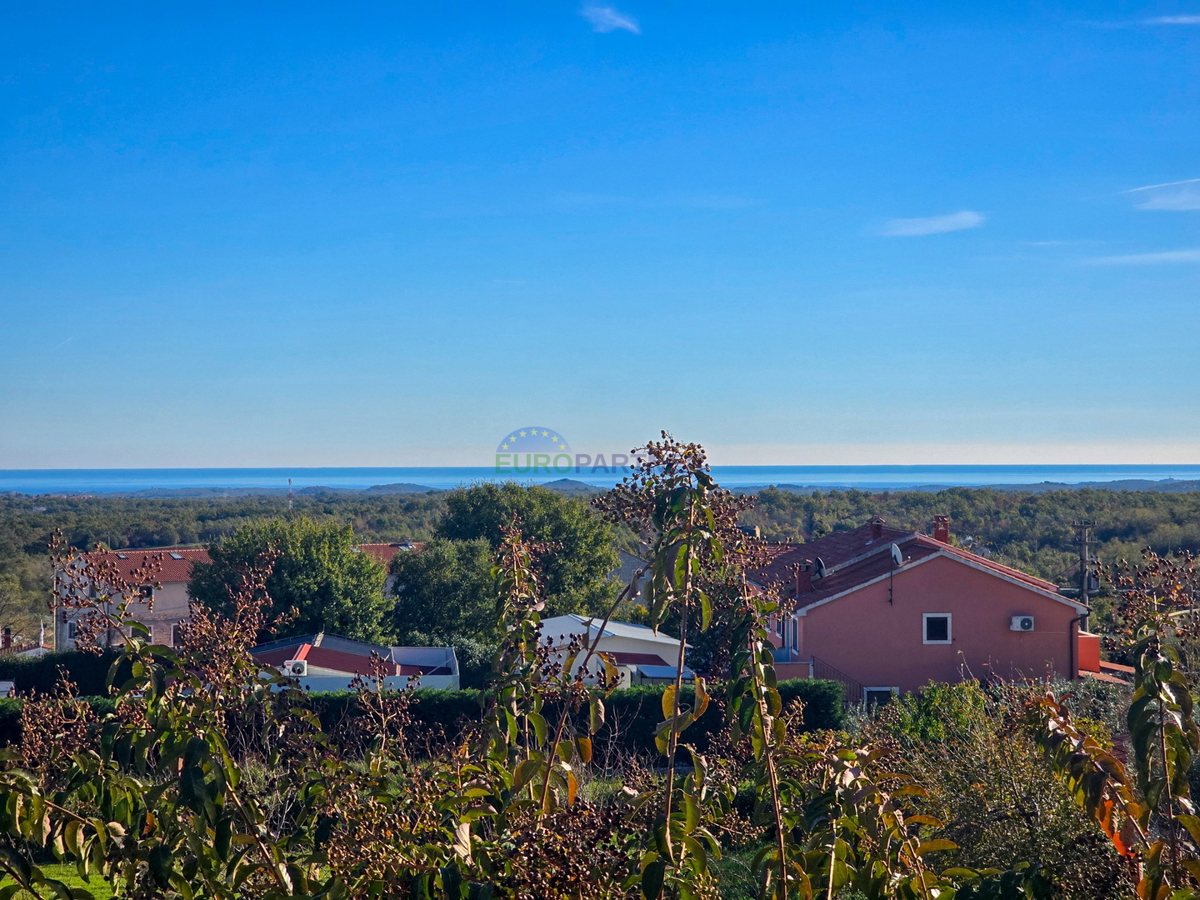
point(884, 610)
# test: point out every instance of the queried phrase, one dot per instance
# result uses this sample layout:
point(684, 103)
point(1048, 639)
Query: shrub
point(87, 671)
point(972, 751)
point(632, 713)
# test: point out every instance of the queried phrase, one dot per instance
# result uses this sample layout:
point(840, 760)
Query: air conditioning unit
point(1021, 623)
point(296, 668)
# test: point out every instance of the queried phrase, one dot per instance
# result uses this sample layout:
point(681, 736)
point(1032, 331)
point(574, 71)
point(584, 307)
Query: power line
point(1084, 540)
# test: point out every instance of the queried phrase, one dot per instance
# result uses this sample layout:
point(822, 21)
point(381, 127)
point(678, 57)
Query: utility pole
point(1084, 540)
point(289, 495)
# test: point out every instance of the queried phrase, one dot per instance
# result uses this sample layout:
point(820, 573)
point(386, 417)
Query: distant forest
point(1031, 531)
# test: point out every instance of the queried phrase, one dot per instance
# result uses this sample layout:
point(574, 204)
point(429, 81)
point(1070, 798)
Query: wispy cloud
point(608, 18)
point(1164, 257)
point(1174, 196)
point(958, 221)
point(1142, 23)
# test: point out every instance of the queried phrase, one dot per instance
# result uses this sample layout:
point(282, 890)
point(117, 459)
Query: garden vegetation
point(209, 777)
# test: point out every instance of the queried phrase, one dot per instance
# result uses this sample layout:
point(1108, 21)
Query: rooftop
point(855, 557)
point(561, 626)
point(383, 553)
point(164, 566)
point(346, 655)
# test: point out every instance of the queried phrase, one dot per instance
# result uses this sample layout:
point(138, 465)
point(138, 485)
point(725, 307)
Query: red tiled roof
point(353, 659)
point(413, 669)
point(161, 565)
point(280, 656)
point(834, 550)
point(321, 657)
point(854, 557)
point(636, 659)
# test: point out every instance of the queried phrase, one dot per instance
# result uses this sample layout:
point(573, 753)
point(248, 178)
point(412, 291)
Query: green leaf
point(526, 772)
point(452, 882)
point(701, 697)
point(73, 839)
point(652, 879)
point(1192, 824)
point(583, 747)
point(540, 729)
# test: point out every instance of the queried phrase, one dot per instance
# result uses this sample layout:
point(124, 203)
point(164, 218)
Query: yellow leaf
point(668, 702)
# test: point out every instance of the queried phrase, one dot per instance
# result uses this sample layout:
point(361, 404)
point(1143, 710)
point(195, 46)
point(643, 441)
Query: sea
point(874, 478)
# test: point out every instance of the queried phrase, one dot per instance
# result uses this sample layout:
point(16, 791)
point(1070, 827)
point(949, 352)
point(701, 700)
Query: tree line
point(1031, 531)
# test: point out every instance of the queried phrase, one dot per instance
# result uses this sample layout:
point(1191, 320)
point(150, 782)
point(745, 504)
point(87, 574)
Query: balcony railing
point(853, 689)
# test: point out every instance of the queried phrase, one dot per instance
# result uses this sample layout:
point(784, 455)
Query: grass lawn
point(68, 875)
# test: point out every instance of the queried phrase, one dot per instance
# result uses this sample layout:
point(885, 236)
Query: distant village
point(882, 611)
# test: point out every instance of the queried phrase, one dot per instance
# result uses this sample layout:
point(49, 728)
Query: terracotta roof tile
point(833, 550)
point(168, 565)
point(854, 557)
point(622, 658)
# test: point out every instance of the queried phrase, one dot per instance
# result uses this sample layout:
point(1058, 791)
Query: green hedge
point(42, 673)
point(632, 714)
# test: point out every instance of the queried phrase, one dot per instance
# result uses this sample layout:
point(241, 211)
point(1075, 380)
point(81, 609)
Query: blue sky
point(836, 233)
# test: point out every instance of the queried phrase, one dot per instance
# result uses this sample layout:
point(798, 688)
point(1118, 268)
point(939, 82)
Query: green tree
point(316, 570)
point(575, 576)
point(444, 592)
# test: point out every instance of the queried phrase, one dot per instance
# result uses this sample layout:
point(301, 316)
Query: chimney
point(941, 529)
point(876, 528)
point(804, 578)
point(6, 640)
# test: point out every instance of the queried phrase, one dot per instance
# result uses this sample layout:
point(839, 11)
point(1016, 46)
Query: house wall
point(880, 644)
point(170, 608)
point(322, 683)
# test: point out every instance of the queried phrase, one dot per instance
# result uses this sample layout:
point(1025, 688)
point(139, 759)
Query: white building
point(328, 662)
point(640, 655)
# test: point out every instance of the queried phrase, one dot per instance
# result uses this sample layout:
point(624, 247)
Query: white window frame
point(925, 617)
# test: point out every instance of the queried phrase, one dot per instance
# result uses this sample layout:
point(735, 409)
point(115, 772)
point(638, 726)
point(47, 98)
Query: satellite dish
point(819, 568)
point(897, 556)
